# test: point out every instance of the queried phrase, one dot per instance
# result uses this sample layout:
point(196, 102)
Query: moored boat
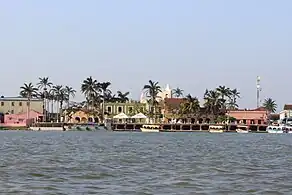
point(242, 129)
point(216, 128)
point(150, 128)
point(275, 129)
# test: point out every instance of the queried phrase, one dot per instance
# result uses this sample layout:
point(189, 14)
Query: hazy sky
point(191, 44)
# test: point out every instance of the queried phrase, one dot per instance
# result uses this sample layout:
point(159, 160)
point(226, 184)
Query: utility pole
point(258, 91)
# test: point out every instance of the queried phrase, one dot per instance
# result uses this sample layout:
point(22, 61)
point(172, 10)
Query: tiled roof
point(18, 99)
point(248, 114)
point(288, 107)
point(173, 102)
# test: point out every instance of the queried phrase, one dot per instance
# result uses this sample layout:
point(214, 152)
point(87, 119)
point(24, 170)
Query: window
point(20, 103)
point(252, 122)
point(259, 122)
point(130, 109)
point(142, 109)
point(12, 103)
point(2, 103)
point(244, 121)
point(109, 109)
point(120, 109)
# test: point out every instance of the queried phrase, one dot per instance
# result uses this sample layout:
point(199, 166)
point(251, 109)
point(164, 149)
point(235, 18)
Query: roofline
point(19, 99)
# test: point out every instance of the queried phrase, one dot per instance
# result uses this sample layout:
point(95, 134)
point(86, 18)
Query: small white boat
point(150, 128)
point(242, 129)
point(275, 129)
point(216, 128)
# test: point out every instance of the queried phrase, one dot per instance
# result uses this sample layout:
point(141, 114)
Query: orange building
point(249, 116)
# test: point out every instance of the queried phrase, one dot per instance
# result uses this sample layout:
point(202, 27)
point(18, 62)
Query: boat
point(275, 129)
point(216, 128)
point(150, 128)
point(242, 129)
point(85, 127)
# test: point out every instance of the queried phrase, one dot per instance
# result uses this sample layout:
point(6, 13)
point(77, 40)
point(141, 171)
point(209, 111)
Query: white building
point(286, 112)
point(165, 93)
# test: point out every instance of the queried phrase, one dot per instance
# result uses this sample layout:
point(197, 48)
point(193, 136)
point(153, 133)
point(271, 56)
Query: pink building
point(21, 119)
point(249, 117)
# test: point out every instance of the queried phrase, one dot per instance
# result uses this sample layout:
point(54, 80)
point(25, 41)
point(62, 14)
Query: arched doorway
point(83, 120)
point(200, 120)
point(193, 120)
point(90, 120)
point(77, 119)
point(96, 120)
point(207, 120)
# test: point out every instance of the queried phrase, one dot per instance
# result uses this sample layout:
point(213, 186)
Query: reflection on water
point(144, 163)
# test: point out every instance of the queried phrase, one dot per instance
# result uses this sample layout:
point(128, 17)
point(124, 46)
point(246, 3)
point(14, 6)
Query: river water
point(144, 163)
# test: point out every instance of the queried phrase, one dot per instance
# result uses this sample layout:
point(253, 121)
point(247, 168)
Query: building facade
point(17, 105)
point(257, 116)
point(286, 112)
point(165, 93)
point(129, 108)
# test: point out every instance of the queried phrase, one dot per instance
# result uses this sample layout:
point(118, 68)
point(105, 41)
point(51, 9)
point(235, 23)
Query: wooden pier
point(185, 127)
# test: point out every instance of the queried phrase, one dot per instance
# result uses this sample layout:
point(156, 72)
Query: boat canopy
point(121, 116)
point(216, 127)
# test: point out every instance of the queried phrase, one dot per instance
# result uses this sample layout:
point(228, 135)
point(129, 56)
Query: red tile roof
point(288, 107)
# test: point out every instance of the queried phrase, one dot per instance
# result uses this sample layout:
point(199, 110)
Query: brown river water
point(117, 163)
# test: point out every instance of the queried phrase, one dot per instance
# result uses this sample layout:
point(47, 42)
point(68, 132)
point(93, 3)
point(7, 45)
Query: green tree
point(270, 105)
point(44, 84)
point(28, 91)
point(152, 90)
point(177, 92)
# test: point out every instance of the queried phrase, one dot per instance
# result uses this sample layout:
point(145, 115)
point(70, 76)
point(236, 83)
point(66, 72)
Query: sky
point(190, 44)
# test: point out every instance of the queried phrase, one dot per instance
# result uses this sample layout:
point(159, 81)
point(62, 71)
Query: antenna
point(258, 90)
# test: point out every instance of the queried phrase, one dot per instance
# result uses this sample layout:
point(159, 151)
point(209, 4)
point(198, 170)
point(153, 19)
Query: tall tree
point(104, 89)
point(213, 102)
point(190, 106)
point(70, 92)
point(43, 84)
point(177, 92)
point(223, 91)
point(123, 96)
point(59, 94)
point(90, 89)
point(232, 101)
point(270, 105)
point(28, 91)
point(152, 90)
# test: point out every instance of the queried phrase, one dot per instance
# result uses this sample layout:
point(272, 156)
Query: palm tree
point(213, 102)
point(190, 106)
point(232, 101)
point(51, 98)
point(152, 90)
point(103, 87)
point(177, 92)
point(270, 105)
point(44, 83)
point(70, 92)
point(224, 92)
point(90, 89)
point(28, 91)
point(58, 92)
point(123, 96)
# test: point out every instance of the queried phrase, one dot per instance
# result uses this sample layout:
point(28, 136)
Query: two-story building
point(257, 116)
point(17, 105)
point(129, 108)
point(286, 112)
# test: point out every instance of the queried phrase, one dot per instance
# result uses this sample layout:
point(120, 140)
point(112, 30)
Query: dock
point(185, 127)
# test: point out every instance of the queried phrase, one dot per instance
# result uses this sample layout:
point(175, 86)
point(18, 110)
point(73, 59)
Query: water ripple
point(144, 164)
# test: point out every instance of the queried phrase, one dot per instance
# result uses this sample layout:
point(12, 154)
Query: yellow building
point(16, 105)
point(81, 117)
